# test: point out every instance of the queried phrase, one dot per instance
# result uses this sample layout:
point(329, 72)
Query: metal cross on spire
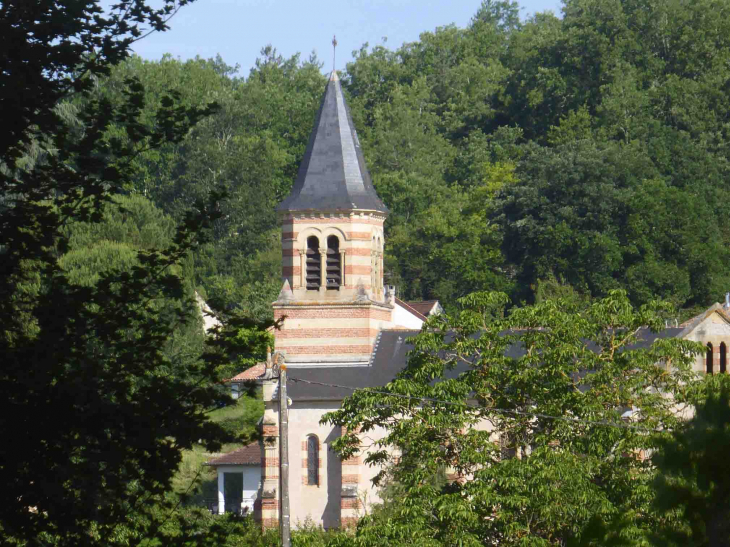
point(334, 51)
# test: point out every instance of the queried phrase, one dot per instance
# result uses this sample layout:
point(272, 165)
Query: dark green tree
point(97, 415)
point(693, 478)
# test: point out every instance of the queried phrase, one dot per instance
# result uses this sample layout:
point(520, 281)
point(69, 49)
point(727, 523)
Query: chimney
point(390, 293)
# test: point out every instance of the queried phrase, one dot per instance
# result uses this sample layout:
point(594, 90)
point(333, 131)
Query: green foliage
point(616, 121)
point(693, 481)
point(557, 160)
point(552, 289)
point(529, 409)
point(104, 381)
point(242, 417)
point(599, 141)
point(250, 148)
point(197, 482)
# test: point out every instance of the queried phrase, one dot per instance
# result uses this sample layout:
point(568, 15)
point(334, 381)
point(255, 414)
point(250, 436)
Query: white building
point(243, 464)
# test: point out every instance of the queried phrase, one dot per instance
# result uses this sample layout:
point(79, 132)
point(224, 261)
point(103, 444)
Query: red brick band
point(359, 236)
point(333, 313)
point(349, 503)
point(326, 333)
point(335, 220)
point(291, 271)
point(324, 350)
point(359, 270)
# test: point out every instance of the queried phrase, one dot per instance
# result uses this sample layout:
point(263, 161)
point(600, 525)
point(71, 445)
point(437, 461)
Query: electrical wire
point(497, 410)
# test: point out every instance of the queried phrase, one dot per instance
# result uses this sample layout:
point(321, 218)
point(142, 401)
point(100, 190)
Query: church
point(340, 324)
point(342, 328)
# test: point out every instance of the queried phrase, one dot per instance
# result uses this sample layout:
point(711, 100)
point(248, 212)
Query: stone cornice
point(352, 215)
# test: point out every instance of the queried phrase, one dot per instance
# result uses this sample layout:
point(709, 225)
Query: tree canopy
point(98, 400)
point(537, 422)
point(589, 148)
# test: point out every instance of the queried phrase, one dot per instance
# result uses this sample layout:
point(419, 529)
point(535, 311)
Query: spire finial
point(334, 51)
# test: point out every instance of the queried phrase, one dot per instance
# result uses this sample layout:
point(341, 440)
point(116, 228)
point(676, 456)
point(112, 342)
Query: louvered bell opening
point(334, 267)
point(314, 266)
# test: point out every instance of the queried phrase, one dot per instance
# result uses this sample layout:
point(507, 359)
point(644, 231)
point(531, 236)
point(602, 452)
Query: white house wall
point(403, 318)
point(321, 504)
point(251, 483)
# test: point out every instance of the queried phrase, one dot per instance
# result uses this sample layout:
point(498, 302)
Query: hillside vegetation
point(588, 150)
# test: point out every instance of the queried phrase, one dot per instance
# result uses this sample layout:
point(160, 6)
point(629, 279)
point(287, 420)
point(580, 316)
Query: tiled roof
point(332, 175)
point(249, 374)
point(390, 357)
point(424, 307)
point(248, 455)
point(407, 306)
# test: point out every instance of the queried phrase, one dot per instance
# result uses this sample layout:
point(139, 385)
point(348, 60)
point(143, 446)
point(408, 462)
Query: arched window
point(314, 264)
point(312, 460)
point(334, 266)
point(708, 358)
point(723, 358)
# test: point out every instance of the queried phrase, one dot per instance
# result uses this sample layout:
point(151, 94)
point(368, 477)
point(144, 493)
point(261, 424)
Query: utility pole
point(284, 529)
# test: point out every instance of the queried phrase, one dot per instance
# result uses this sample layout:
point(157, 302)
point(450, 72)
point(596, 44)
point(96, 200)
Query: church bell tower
point(333, 297)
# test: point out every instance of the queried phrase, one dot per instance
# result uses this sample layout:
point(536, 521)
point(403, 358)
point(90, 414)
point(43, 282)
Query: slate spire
point(333, 175)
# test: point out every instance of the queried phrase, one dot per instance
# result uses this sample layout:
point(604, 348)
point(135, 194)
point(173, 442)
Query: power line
point(498, 410)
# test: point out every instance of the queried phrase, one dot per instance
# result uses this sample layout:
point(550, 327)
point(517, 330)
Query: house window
point(723, 358)
point(334, 266)
point(314, 264)
point(312, 460)
point(708, 359)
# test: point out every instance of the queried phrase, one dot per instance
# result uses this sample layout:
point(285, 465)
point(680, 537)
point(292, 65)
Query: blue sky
point(238, 29)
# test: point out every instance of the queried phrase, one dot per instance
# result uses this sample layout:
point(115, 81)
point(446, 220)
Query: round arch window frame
point(313, 460)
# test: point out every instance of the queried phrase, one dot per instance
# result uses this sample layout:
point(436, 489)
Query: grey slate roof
point(332, 175)
point(389, 359)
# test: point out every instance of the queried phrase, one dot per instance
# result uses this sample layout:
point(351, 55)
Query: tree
point(693, 478)
point(250, 147)
point(96, 415)
point(526, 414)
point(601, 216)
point(131, 224)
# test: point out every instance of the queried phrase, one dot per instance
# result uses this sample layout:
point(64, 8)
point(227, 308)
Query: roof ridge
point(410, 308)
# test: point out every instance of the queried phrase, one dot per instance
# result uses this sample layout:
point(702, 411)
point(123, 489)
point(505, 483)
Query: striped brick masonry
point(350, 504)
point(270, 475)
point(330, 331)
point(331, 324)
point(359, 234)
